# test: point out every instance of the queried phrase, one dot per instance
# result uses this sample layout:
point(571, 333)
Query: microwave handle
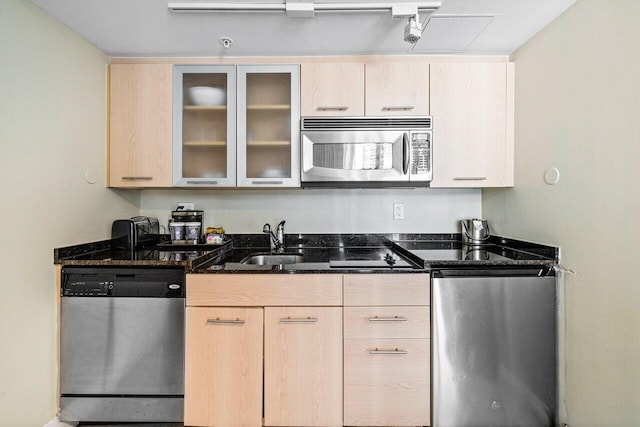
point(405, 153)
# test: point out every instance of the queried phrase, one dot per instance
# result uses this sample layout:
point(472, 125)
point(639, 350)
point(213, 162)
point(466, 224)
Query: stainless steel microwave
point(366, 151)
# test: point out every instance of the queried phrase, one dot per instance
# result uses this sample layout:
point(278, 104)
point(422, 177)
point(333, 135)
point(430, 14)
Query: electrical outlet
point(186, 206)
point(398, 211)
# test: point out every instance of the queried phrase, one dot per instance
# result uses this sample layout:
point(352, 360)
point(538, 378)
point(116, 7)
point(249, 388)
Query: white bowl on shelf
point(206, 96)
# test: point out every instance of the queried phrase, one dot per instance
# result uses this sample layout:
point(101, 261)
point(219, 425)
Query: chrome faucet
point(277, 240)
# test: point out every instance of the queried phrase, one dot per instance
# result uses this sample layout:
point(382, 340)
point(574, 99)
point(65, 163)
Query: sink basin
point(272, 259)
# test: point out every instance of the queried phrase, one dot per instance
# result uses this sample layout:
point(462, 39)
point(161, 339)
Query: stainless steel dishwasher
point(122, 344)
point(494, 348)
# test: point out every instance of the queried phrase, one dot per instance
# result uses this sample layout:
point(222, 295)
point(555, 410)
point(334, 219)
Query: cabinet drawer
point(242, 290)
point(386, 382)
point(386, 289)
point(387, 322)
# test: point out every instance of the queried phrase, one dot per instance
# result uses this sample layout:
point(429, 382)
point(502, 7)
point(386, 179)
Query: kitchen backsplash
point(323, 210)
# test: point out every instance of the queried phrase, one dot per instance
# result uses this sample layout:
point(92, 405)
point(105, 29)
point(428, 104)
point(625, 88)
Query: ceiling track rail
point(286, 6)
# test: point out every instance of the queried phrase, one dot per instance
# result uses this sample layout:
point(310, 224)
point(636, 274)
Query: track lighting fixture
point(308, 9)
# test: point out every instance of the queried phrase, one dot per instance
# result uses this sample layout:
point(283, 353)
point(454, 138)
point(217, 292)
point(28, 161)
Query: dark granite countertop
point(321, 253)
point(112, 252)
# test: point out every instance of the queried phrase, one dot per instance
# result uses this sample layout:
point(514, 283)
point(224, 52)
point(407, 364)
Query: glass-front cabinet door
point(268, 126)
point(204, 136)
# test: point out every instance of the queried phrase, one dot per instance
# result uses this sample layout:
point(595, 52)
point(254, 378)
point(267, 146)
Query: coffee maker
point(186, 226)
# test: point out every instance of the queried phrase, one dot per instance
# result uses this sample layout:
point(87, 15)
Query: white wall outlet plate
point(398, 211)
point(186, 206)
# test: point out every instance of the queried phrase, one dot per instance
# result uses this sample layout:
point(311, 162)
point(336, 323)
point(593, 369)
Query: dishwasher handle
point(530, 271)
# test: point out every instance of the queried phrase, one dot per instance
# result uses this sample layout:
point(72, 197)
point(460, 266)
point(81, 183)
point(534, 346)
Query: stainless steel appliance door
point(363, 155)
point(122, 346)
point(494, 351)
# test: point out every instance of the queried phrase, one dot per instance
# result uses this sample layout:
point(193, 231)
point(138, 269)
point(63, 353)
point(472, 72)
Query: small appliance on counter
point(186, 226)
point(136, 232)
point(475, 231)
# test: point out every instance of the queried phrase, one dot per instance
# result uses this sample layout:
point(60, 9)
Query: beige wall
point(578, 109)
point(323, 210)
point(52, 130)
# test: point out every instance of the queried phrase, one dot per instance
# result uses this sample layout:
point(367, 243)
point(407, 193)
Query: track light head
point(413, 30)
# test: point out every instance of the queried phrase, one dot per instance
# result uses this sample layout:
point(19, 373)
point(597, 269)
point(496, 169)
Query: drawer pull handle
point(336, 108)
point(388, 319)
point(236, 321)
point(398, 108)
point(382, 351)
point(290, 319)
point(470, 178)
point(137, 178)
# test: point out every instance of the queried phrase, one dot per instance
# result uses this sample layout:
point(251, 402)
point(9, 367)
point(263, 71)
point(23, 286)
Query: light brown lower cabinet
point(263, 349)
point(281, 350)
point(387, 348)
point(223, 367)
point(303, 366)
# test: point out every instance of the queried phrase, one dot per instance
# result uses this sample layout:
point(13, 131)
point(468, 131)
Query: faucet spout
point(280, 234)
point(276, 242)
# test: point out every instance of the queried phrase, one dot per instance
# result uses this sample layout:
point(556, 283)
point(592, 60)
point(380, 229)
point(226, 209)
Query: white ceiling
point(139, 28)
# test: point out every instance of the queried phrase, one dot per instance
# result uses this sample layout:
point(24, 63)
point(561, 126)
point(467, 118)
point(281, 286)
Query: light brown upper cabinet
point(472, 109)
point(204, 132)
point(372, 89)
point(332, 89)
point(397, 88)
point(268, 114)
point(236, 126)
point(140, 125)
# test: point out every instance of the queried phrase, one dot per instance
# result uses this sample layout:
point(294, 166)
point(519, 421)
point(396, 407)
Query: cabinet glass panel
point(204, 126)
point(268, 113)
point(204, 145)
point(268, 125)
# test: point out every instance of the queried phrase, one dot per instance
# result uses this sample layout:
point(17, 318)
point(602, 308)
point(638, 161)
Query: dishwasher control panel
point(122, 282)
point(79, 288)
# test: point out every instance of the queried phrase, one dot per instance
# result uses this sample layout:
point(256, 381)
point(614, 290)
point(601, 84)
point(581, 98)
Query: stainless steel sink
point(272, 259)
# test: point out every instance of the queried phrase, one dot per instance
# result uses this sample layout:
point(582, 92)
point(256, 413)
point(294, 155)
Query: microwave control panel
point(421, 154)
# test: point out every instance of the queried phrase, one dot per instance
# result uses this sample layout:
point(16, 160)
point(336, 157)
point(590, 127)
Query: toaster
point(135, 232)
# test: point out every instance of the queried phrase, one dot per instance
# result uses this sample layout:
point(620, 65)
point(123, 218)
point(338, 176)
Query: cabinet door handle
point(267, 182)
point(392, 351)
point(290, 319)
point(398, 108)
point(203, 182)
point(470, 178)
point(405, 153)
point(388, 319)
point(137, 178)
point(236, 321)
point(335, 108)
